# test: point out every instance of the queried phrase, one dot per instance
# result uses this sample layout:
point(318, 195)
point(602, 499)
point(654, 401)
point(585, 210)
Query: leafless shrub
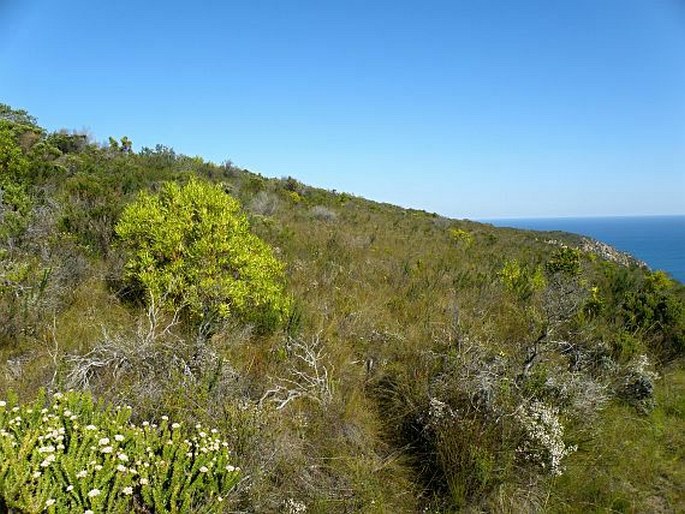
point(581, 395)
point(141, 354)
point(309, 378)
point(323, 213)
point(264, 204)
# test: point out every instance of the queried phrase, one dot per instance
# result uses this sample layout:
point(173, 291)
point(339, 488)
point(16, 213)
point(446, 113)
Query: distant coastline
point(657, 240)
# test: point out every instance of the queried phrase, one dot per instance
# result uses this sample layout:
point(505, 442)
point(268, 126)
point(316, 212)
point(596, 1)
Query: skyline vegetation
point(370, 359)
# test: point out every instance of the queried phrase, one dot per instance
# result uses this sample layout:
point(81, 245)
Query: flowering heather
point(72, 455)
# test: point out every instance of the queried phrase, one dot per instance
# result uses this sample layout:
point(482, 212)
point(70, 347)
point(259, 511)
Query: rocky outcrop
point(609, 253)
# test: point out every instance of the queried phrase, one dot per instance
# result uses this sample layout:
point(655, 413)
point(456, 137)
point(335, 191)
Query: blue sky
point(473, 108)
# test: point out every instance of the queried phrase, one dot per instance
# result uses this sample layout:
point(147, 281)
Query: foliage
point(461, 236)
point(656, 309)
point(521, 280)
point(70, 454)
point(427, 364)
point(14, 199)
point(191, 247)
point(564, 260)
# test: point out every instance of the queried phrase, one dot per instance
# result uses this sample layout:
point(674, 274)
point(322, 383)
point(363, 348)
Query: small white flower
point(89, 512)
point(70, 488)
point(93, 493)
point(48, 460)
point(91, 427)
point(230, 468)
point(204, 469)
point(119, 437)
point(67, 413)
point(97, 467)
point(175, 425)
point(123, 457)
point(128, 490)
point(36, 474)
point(82, 474)
point(165, 418)
point(49, 502)
point(144, 481)
point(107, 449)
point(121, 468)
point(104, 441)
point(3, 403)
point(146, 423)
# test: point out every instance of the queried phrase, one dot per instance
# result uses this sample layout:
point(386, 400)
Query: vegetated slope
point(426, 364)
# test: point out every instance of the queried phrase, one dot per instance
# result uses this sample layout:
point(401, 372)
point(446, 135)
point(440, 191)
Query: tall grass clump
point(69, 454)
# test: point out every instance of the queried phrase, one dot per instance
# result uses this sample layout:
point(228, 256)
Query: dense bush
point(72, 455)
point(190, 248)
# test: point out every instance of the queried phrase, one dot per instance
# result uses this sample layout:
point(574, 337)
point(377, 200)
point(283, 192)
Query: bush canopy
point(190, 249)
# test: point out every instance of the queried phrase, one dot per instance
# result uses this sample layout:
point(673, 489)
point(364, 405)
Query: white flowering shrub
point(544, 437)
point(637, 384)
point(71, 455)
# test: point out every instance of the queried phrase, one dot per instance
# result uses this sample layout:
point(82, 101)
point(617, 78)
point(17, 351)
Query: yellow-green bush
point(190, 247)
point(520, 279)
point(72, 455)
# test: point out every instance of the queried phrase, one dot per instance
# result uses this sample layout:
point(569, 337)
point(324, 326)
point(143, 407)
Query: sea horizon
point(656, 239)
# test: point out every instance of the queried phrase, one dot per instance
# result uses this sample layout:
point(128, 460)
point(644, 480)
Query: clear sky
point(467, 108)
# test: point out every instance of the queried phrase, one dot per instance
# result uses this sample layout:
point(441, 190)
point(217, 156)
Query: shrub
point(264, 204)
point(565, 260)
point(191, 248)
point(520, 280)
point(322, 213)
point(72, 455)
point(460, 236)
point(15, 202)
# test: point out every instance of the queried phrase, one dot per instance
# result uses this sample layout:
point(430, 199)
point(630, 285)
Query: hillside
point(422, 364)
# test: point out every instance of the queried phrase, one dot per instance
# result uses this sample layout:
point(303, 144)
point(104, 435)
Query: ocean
point(657, 240)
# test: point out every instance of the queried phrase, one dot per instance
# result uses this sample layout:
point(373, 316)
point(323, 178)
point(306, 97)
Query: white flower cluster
point(438, 412)
point(131, 455)
point(643, 367)
point(544, 443)
point(293, 506)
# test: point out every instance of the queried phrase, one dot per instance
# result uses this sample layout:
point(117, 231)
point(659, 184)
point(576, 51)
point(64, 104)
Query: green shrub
point(15, 202)
point(461, 236)
point(72, 455)
point(190, 247)
point(564, 260)
point(521, 280)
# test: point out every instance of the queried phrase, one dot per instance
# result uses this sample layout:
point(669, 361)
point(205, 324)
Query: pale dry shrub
point(544, 443)
point(264, 204)
point(308, 378)
point(322, 213)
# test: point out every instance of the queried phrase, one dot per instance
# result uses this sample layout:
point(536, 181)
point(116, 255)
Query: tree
point(190, 248)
